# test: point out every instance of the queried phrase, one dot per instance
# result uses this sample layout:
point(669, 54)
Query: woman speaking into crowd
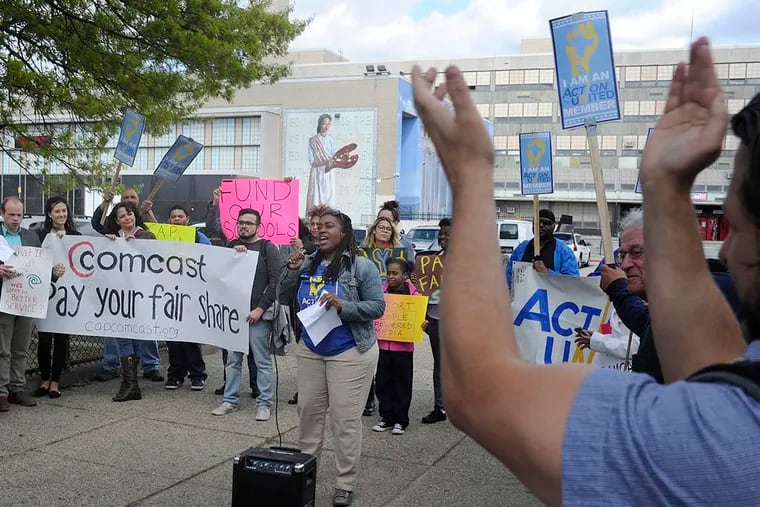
point(334, 373)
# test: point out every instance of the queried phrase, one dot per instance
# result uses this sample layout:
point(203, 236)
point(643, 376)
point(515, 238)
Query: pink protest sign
point(276, 200)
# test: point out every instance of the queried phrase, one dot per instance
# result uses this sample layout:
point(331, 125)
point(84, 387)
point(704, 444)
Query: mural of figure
point(323, 159)
point(321, 178)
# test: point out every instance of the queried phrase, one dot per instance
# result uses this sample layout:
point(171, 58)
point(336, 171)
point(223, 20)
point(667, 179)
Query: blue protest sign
point(178, 158)
point(536, 172)
point(129, 137)
point(637, 188)
point(585, 69)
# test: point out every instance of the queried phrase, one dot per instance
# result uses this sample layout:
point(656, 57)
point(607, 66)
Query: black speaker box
point(275, 476)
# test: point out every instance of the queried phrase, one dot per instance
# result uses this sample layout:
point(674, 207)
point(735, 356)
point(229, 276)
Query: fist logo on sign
point(583, 34)
point(536, 150)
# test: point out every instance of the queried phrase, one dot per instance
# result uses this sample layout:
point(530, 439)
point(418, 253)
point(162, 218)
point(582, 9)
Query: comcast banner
point(150, 290)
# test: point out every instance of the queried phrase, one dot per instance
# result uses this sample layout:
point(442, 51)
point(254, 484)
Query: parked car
point(360, 232)
point(37, 222)
point(580, 246)
point(511, 233)
point(423, 238)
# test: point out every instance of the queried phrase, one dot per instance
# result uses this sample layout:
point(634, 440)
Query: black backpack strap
point(743, 374)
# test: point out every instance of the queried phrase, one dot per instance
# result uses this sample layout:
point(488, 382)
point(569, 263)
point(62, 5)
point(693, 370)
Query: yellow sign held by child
point(403, 318)
point(184, 233)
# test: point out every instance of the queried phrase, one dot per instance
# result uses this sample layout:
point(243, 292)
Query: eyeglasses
point(546, 222)
point(246, 223)
point(384, 229)
point(636, 253)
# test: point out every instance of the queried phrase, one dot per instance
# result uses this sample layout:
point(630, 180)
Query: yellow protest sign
point(403, 318)
point(173, 232)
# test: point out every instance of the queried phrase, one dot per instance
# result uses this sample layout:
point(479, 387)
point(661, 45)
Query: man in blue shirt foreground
point(579, 436)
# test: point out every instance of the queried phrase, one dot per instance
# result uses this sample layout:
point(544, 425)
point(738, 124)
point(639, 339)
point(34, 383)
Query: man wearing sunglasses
point(555, 257)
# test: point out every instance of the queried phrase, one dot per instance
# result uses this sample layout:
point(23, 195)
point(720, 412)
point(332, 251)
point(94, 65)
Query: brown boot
point(129, 390)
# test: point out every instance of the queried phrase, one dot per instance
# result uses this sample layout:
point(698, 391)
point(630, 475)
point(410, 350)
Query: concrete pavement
point(167, 449)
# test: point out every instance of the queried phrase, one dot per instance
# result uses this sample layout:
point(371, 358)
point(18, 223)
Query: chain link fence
point(82, 350)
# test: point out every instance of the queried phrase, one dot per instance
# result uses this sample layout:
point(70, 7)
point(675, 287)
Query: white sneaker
point(397, 429)
point(381, 426)
point(262, 413)
point(224, 409)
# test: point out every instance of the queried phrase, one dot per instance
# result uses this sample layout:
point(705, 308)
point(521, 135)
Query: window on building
point(499, 142)
point(250, 159)
point(516, 76)
point(633, 73)
point(251, 130)
point(563, 142)
point(642, 142)
point(501, 77)
point(737, 71)
point(545, 109)
point(665, 72)
point(141, 160)
point(721, 70)
point(753, 70)
point(513, 144)
point(195, 129)
point(608, 143)
point(530, 109)
point(483, 78)
point(501, 110)
point(631, 108)
point(222, 158)
point(515, 110)
point(546, 76)
point(531, 76)
point(482, 109)
point(647, 108)
point(659, 107)
point(223, 132)
point(649, 73)
point(166, 139)
point(578, 142)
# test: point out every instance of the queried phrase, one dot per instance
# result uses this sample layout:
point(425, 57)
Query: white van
point(511, 233)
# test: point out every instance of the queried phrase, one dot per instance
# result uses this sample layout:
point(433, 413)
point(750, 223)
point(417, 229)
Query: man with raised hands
point(579, 436)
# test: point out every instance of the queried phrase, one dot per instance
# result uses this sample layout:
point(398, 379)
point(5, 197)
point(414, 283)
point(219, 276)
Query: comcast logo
point(33, 280)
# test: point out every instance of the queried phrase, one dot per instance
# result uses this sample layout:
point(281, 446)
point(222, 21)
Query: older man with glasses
point(625, 284)
point(555, 257)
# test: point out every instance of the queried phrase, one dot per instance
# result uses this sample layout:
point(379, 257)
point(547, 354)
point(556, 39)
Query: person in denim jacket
point(335, 373)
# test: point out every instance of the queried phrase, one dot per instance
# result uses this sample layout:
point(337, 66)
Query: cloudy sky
point(368, 30)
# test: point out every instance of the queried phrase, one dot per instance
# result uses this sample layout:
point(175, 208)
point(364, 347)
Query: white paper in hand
point(5, 250)
point(319, 321)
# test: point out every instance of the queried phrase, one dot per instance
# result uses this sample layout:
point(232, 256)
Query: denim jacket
point(362, 297)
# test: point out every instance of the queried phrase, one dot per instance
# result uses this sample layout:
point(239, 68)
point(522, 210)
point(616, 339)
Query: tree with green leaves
point(69, 69)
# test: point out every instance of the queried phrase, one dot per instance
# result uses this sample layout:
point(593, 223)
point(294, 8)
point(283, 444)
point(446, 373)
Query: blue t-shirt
point(631, 441)
point(339, 339)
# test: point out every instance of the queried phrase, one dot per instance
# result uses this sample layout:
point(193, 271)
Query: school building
point(264, 132)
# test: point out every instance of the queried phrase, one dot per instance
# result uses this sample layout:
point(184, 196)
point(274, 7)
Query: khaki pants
point(339, 384)
point(15, 336)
